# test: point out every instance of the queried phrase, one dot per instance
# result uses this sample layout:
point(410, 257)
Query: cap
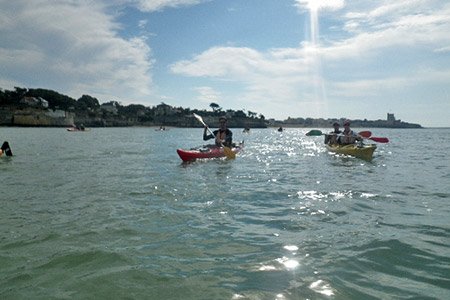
point(336, 124)
point(347, 122)
point(222, 118)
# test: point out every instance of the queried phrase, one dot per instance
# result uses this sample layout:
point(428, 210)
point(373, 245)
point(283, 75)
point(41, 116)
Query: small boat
point(77, 129)
point(356, 150)
point(207, 152)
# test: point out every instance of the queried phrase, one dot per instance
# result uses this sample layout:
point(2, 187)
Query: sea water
point(113, 213)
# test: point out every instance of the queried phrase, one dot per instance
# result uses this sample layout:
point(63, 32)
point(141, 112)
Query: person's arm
point(206, 136)
point(357, 136)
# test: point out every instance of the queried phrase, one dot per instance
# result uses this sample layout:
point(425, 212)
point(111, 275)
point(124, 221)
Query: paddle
point(364, 134)
point(228, 153)
point(379, 140)
point(315, 132)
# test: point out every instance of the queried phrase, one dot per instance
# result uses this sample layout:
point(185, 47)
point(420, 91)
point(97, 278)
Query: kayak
point(76, 129)
point(207, 152)
point(365, 151)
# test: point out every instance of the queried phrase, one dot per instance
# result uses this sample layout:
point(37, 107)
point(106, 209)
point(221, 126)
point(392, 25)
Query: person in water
point(223, 135)
point(6, 149)
point(349, 137)
point(333, 137)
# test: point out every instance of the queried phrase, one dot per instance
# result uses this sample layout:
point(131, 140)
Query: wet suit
point(5, 148)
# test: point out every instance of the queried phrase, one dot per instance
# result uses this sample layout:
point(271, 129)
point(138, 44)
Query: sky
point(356, 59)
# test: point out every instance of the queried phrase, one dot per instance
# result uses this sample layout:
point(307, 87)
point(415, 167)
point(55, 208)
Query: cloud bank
point(72, 46)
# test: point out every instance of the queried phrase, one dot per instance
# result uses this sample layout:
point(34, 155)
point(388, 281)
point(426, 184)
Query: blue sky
point(281, 58)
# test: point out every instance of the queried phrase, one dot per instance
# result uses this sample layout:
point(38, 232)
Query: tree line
point(88, 105)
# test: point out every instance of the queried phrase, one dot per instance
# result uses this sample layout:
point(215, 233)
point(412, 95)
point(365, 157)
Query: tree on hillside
point(55, 99)
point(87, 101)
point(133, 109)
point(215, 107)
point(12, 97)
point(251, 114)
point(240, 114)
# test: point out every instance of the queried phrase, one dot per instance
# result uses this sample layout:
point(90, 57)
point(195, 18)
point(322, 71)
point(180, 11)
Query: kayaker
point(349, 137)
point(332, 138)
point(223, 135)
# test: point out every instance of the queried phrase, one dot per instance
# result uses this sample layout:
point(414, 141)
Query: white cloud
point(443, 49)
point(71, 45)
point(158, 5)
point(316, 5)
point(142, 23)
point(207, 94)
point(292, 76)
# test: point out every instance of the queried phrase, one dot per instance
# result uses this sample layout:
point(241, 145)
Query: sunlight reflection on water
point(284, 220)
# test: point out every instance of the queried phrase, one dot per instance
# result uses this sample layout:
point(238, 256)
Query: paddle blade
point(229, 154)
point(379, 140)
point(314, 133)
point(199, 118)
point(365, 134)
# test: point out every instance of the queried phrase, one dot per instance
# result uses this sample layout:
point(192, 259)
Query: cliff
point(28, 116)
point(11, 116)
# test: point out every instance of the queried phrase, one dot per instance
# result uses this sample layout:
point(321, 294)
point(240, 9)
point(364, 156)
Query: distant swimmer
point(6, 149)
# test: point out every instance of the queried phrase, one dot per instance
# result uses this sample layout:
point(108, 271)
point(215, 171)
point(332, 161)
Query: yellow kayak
point(365, 151)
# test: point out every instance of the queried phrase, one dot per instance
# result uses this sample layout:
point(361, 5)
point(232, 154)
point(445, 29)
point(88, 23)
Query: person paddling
point(349, 136)
point(332, 138)
point(223, 135)
point(6, 149)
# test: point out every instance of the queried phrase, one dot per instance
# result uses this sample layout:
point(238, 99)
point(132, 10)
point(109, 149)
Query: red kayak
point(207, 152)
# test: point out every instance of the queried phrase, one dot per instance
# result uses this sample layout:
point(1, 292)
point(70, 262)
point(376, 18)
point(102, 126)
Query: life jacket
point(348, 138)
point(222, 135)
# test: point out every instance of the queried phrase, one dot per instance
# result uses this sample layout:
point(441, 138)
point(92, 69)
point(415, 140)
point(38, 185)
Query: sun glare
point(316, 5)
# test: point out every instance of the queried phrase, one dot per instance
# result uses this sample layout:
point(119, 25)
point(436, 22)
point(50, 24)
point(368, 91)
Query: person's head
point(336, 125)
point(223, 122)
point(347, 124)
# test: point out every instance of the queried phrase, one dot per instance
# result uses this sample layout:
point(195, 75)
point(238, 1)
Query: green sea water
point(113, 213)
